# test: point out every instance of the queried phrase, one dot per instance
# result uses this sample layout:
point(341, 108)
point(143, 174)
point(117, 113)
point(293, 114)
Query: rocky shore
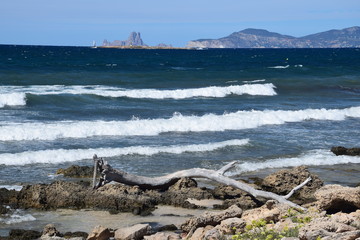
point(333, 211)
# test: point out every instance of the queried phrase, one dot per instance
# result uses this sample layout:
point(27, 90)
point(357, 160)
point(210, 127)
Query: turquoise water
point(151, 112)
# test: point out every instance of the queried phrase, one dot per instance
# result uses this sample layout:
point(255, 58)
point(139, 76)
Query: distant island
point(254, 38)
point(134, 41)
point(259, 38)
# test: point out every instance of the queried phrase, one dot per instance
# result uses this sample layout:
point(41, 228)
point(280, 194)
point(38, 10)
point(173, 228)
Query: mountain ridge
point(261, 38)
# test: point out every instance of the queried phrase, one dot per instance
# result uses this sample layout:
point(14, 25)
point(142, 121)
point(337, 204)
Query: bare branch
point(225, 168)
point(297, 188)
point(164, 182)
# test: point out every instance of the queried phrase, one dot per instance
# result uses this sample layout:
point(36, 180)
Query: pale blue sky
point(79, 22)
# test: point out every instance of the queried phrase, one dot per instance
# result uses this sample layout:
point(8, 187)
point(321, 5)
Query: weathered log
point(109, 174)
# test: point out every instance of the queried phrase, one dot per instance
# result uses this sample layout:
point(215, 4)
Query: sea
point(155, 111)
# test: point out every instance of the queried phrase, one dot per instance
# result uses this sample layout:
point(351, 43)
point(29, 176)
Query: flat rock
point(326, 228)
point(212, 218)
point(135, 232)
point(270, 211)
point(163, 236)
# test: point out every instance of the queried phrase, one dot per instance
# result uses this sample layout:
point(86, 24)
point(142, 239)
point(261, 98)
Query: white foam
point(280, 67)
point(178, 123)
point(12, 187)
point(70, 155)
point(12, 99)
point(17, 217)
point(311, 158)
point(107, 91)
point(255, 81)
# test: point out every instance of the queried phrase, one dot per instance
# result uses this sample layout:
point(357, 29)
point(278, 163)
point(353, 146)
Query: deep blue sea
point(152, 112)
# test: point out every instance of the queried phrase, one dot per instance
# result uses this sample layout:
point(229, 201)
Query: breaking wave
point(70, 155)
point(17, 216)
point(311, 158)
point(108, 91)
point(178, 123)
point(280, 67)
point(12, 99)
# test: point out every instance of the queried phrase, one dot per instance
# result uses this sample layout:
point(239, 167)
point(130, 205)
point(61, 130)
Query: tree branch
point(164, 182)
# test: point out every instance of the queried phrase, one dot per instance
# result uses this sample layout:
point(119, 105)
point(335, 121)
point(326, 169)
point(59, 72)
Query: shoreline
point(86, 219)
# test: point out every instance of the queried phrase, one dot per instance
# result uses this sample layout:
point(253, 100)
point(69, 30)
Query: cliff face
point(133, 40)
point(258, 38)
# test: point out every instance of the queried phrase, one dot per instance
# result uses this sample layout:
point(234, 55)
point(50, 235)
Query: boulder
point(50, 230)
point(336, 198)
point(283, 181)
point(199, 233)
point(135, 232)
point(100, 233)
point(213, 234)
point(345, 151)
point(231, 225)
point(211, 218)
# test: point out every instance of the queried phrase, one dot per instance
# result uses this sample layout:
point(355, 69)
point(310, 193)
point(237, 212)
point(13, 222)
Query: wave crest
point(107, 91)
point(178, 123)
point(70, 155)
point(317, 157)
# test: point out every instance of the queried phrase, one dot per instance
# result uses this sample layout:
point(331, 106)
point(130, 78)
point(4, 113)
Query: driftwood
point(109, 174)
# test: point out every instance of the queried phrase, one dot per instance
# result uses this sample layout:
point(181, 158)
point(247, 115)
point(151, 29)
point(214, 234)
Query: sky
point(80, 22)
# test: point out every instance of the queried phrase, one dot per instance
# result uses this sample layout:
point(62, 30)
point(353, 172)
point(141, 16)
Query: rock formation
point(259, 38)
point(134, 39)
point(345, 151)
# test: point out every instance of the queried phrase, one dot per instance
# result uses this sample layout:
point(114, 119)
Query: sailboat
point(94, 44)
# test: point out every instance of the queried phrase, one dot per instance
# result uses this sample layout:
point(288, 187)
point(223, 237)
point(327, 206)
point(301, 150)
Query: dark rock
point(7, 197)
point(234, 196)
point(345, 151)
point(178, 194)
point(76, 171)
point(283, 181)
point(170, 227)
point(20, 234)
point(75, 235)
point(62, 194)
point(3, 210)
